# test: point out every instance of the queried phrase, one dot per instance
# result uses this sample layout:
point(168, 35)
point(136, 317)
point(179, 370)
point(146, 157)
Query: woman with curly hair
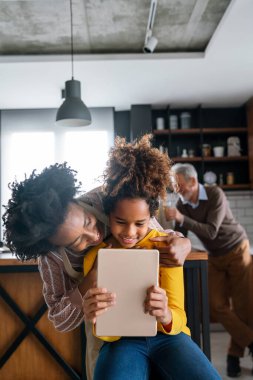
point(136, 176)
point(45, 220)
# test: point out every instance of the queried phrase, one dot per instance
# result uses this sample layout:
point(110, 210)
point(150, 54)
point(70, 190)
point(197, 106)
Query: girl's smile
point(129, 221)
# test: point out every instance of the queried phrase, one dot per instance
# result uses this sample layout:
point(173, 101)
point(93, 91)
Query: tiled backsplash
point(241, 203)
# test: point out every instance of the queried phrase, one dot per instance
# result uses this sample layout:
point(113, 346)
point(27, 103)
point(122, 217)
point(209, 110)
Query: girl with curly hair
point(45, 220)
point(136, 177)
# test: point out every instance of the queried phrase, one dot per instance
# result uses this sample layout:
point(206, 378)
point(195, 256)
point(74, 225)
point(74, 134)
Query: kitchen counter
point(31, 348)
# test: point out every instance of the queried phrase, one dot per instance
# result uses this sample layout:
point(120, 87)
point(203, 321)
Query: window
point(79, 152)
point(30, 140)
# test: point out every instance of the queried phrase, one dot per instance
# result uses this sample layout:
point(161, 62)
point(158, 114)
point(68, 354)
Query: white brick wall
point(241, 203)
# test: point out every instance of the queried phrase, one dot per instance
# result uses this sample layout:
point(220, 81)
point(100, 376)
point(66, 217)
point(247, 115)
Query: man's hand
point(175, 251)
point(172, 213)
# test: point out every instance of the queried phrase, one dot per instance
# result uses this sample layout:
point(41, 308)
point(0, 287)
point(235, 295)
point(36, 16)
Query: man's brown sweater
point(212, 222)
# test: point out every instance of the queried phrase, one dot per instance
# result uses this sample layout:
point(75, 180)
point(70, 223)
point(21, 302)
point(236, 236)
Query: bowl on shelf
point(210, 178)
point(218, 151)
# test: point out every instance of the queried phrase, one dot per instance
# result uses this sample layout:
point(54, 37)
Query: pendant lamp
point(73, 112)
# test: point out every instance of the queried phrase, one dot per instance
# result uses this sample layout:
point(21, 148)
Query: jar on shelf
point(191, 153)
point(185, 119)
point(160, 123)
point(184, 153)
point(230, 178)
point(173, 122)
point(206, 150)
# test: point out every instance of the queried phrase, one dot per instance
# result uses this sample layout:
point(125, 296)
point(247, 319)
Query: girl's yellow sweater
point(170, 279)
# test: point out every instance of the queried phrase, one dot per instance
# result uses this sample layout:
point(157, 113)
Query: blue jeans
point(172, 357)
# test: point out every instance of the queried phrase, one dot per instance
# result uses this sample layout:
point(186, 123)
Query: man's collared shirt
point(201, 197)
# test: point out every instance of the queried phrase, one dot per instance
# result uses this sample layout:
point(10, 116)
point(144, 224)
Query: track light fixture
point(73, 112)
point(150, 41)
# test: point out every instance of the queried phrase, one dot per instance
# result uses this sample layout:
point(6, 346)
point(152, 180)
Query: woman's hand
point(156, 304)
point(96, 301)
point(175, 251)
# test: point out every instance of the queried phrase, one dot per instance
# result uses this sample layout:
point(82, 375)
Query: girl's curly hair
point(136, 170)
point(36, 209)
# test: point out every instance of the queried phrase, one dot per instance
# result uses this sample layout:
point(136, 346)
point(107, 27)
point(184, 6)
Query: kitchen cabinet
point(210, 127)
point(30, 346)
point(134, 123)
point(140, 120)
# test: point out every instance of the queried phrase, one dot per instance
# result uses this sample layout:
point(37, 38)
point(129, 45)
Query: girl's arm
point(156, 304)
point(166, 303)
point(96, 301)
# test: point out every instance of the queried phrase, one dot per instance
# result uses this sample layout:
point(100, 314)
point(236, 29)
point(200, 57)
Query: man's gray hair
point(187, 170)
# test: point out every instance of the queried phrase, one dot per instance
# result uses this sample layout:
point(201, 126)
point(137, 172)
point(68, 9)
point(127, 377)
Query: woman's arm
point(61, 294)
point(176, 250)
point(88, 281)
point(69, 303)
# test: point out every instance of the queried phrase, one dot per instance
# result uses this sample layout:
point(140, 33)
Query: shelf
point(209, 159)
point(237, 186)
point(190, 131)
point(224, 130)
point(186, 159)
point(226, 158)
point(193, 131)
point(212, 126)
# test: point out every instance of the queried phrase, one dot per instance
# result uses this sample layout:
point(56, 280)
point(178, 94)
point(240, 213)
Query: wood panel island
point(31, 348)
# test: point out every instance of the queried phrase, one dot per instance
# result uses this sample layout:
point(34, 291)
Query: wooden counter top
point(194, 255)
point(197, 255)
point(8, 261)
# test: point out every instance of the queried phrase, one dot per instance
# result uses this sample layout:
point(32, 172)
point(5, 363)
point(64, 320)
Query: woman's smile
point(79, 230)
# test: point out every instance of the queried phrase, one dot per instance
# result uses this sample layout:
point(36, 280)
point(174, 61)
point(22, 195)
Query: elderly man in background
point(206, 212)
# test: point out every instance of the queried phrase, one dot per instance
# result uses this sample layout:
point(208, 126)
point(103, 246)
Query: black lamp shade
point(73, 112)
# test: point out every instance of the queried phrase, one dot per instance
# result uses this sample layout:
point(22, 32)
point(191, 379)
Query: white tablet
point(128, 273)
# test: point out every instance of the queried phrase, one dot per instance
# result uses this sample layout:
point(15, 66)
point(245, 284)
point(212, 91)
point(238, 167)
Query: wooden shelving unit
point(210, 159)
point(207, 126)
point(192, 131)
point(213, 127)
point(241, 186)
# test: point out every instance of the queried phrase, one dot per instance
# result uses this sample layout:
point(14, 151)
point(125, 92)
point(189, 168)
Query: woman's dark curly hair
point(136, 170)
point(36, 209)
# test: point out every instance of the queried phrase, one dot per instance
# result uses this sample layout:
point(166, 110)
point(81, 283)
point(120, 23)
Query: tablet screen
point(128, 273)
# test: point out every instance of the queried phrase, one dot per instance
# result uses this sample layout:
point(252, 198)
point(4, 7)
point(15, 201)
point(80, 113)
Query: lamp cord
point(72, 48)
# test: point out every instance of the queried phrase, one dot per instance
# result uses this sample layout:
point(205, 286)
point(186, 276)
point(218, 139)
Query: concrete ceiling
point(204, 53)
point(106, 26)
